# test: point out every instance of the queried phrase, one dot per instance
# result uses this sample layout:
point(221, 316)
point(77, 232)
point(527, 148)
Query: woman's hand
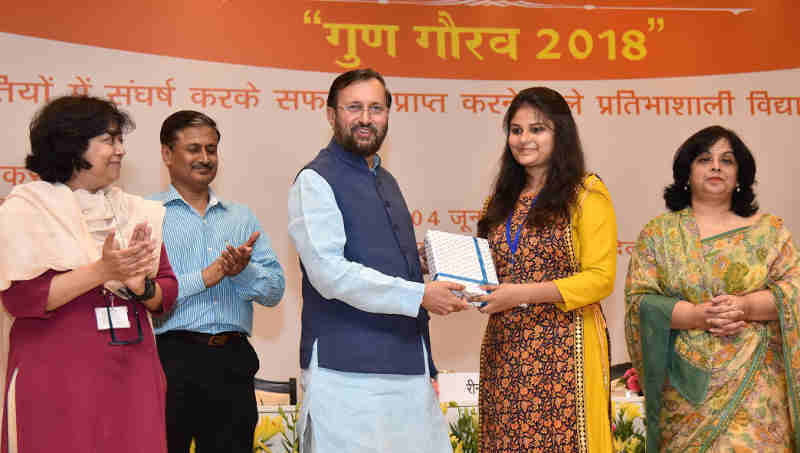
point(728, 315)
point(686, 315)
point(503, 297)
point(141, 234)
point(719, 316)
point(129, 265)
point(132, 264)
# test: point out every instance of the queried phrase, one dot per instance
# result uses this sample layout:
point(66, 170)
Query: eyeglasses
point(109, 296)
point(372, 110)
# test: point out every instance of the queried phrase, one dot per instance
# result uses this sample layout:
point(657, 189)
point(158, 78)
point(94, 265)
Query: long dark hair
point(678, 195)
point(564, 174)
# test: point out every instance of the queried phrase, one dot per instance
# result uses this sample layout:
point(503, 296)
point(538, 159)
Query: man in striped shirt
point(223, 262)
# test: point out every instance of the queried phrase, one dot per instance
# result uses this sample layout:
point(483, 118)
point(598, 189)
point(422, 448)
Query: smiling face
point(104, 153)
point(192, 159)
point(363, 132)
point(714, 172)
point(531, 138)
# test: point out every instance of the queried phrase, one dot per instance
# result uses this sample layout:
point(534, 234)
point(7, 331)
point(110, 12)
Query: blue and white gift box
point(461, 259)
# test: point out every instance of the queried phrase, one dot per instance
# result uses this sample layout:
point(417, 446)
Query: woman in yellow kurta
point(712, 310)
point(553, 235)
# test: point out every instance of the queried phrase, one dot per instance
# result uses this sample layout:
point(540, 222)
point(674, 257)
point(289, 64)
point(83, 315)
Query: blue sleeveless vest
point(380, 235)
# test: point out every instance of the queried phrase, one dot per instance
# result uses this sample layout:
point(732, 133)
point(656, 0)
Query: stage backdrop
point(641, 76)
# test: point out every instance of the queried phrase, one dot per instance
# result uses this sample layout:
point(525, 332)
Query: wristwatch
point(149, 291)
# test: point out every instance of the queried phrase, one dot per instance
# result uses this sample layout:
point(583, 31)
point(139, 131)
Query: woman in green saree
point(713, 310)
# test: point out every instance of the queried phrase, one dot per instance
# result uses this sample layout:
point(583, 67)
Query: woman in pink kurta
point(78, 255)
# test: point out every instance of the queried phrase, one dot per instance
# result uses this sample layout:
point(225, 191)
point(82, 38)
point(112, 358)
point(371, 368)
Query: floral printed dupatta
point(705, 393)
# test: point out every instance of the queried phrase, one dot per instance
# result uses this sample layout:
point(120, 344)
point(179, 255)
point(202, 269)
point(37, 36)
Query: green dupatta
point(671, 263)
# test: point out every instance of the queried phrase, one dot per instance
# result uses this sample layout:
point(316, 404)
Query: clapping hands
point(131, 264)
point(234, 259)
point(230, 262)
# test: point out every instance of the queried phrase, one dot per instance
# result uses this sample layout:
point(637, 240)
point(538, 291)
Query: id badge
point(119, 317)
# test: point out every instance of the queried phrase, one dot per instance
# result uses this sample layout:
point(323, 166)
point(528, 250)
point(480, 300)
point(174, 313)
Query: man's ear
point(166, 155)
point(330, 113)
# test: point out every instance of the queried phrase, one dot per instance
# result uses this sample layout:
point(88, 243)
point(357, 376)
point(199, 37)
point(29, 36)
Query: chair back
point(276, 392)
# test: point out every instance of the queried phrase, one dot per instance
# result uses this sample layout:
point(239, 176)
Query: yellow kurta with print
point(594, 227)
point(582, 252)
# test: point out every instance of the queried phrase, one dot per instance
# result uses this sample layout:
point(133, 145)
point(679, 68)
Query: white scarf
point(42, 227)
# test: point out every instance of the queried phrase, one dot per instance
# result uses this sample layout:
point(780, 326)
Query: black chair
point(287, 387)
point(618, 370)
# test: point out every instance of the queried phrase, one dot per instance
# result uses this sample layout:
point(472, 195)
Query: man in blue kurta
point(224, 263)
point(365, 346)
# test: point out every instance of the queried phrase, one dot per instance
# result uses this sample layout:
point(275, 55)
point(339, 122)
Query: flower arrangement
point(267, 427)
point(291, 438)
point(627, 439)
point(631, 378)
point(465, 431)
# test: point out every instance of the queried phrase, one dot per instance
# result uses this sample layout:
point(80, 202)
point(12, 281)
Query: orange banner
point(500, 40)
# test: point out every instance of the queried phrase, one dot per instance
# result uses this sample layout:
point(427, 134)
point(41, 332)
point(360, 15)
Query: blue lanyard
point(512, 246)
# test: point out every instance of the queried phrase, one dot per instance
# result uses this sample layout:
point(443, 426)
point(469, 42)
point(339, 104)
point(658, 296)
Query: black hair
point(183, 119)
point(357, 75)
point(61, 130)
point(565, 171)
point(678, 195)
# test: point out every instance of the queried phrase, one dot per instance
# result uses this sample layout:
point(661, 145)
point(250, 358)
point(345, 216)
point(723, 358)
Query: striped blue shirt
point(193, 242)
